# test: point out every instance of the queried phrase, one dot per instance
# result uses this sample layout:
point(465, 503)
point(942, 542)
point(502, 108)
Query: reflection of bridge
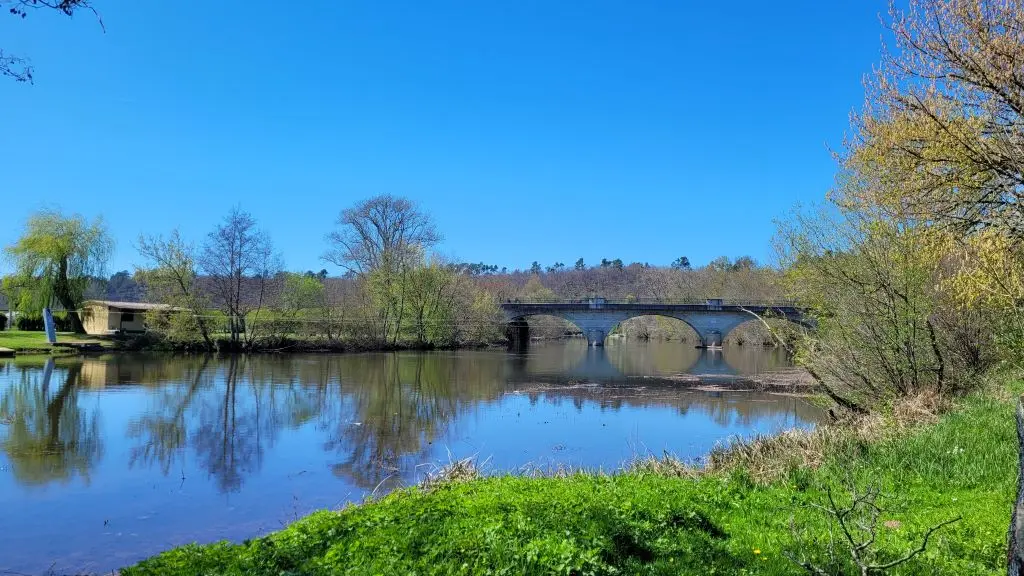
point(711, 319)
point(599, 365)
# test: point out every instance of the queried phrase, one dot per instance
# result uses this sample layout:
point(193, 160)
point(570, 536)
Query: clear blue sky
point(530, 129)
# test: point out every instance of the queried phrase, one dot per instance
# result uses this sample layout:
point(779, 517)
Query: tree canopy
point(383, 230)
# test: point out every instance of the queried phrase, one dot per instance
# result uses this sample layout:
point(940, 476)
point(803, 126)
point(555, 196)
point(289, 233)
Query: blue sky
point(529, 129)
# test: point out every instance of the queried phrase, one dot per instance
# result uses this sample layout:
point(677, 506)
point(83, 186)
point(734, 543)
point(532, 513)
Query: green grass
point(648, 523)
point(22, 341)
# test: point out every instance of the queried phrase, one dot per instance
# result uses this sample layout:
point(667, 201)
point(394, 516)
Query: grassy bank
point(32, 342)
point(755, 504)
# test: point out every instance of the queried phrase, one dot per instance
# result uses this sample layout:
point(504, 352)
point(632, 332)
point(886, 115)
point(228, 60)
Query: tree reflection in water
point(398, 405)
point(48, 435)
point(380, 415)
point(229, 415)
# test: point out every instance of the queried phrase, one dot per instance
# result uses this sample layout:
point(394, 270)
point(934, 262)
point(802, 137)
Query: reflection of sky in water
point(91, 462)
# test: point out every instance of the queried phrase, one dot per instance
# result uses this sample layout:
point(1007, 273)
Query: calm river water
point(104, 461)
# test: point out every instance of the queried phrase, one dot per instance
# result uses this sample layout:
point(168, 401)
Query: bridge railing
point(659, 301)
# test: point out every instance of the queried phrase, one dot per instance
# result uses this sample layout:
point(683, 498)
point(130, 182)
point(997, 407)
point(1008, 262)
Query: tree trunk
point(72, 314)
point(1015, 549)
point(62, 290)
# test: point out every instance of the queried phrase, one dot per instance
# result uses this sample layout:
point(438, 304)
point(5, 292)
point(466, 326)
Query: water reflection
point(620, 361)
point(49, 437)
point(216, 448)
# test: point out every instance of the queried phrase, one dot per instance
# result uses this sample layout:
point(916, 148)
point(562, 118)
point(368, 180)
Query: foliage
point(868, 283)
point(917, 282)
point(940, 134)
point(646, 522)
point(35, 323)
point(170, 277)
point(56, 258)
point(987, 276)
point(122, 287)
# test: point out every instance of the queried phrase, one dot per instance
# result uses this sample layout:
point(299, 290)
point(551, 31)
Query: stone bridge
point(711, 319)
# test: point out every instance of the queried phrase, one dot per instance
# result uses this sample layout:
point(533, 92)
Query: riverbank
point(25, 342)
point(751, 506)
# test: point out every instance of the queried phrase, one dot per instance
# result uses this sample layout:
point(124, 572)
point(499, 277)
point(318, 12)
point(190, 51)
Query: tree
point(238, 260)
point(882, 329)
point(123, 288)
point(56, 258)
point(556, 267)
point(380, 240)
point(941, 141)
point(580, 265)
point(941, 135)
point(382, 231)
point(720, 264)
point(681, 263)
point(535, 267)
point(744, 263)
point(170, 277)
point(18, 67)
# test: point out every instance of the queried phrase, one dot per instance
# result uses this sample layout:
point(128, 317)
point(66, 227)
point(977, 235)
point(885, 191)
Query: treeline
point(230, 290)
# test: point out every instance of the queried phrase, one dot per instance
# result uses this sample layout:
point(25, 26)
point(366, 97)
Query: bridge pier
point(595, 337)
point(710, 339)
point(517, 332)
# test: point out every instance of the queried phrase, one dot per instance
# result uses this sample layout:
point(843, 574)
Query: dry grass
point(455, 471)
point(769, 458)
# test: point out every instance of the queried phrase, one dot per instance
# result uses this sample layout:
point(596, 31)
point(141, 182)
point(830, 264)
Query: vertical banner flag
point(51, 329)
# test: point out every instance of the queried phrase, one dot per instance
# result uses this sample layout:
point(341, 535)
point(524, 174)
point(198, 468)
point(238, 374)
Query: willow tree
point(56, 258)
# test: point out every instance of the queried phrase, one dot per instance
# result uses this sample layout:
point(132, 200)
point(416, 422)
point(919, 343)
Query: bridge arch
point(518, 329)
point(756, 328)
point(694, 337)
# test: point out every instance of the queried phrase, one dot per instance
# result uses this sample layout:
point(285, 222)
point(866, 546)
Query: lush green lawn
point(36, 341)
point(648, 523)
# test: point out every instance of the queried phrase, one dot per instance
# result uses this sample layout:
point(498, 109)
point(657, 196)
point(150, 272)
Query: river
point(107, 460)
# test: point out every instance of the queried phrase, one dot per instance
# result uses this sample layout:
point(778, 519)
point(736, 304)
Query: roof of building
point(128, 305)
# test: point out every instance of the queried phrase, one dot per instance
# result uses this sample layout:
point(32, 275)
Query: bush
point(35, 323)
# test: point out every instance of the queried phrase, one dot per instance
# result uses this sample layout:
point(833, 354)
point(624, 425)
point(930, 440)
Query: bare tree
point(382, 231)
point(238, 259)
